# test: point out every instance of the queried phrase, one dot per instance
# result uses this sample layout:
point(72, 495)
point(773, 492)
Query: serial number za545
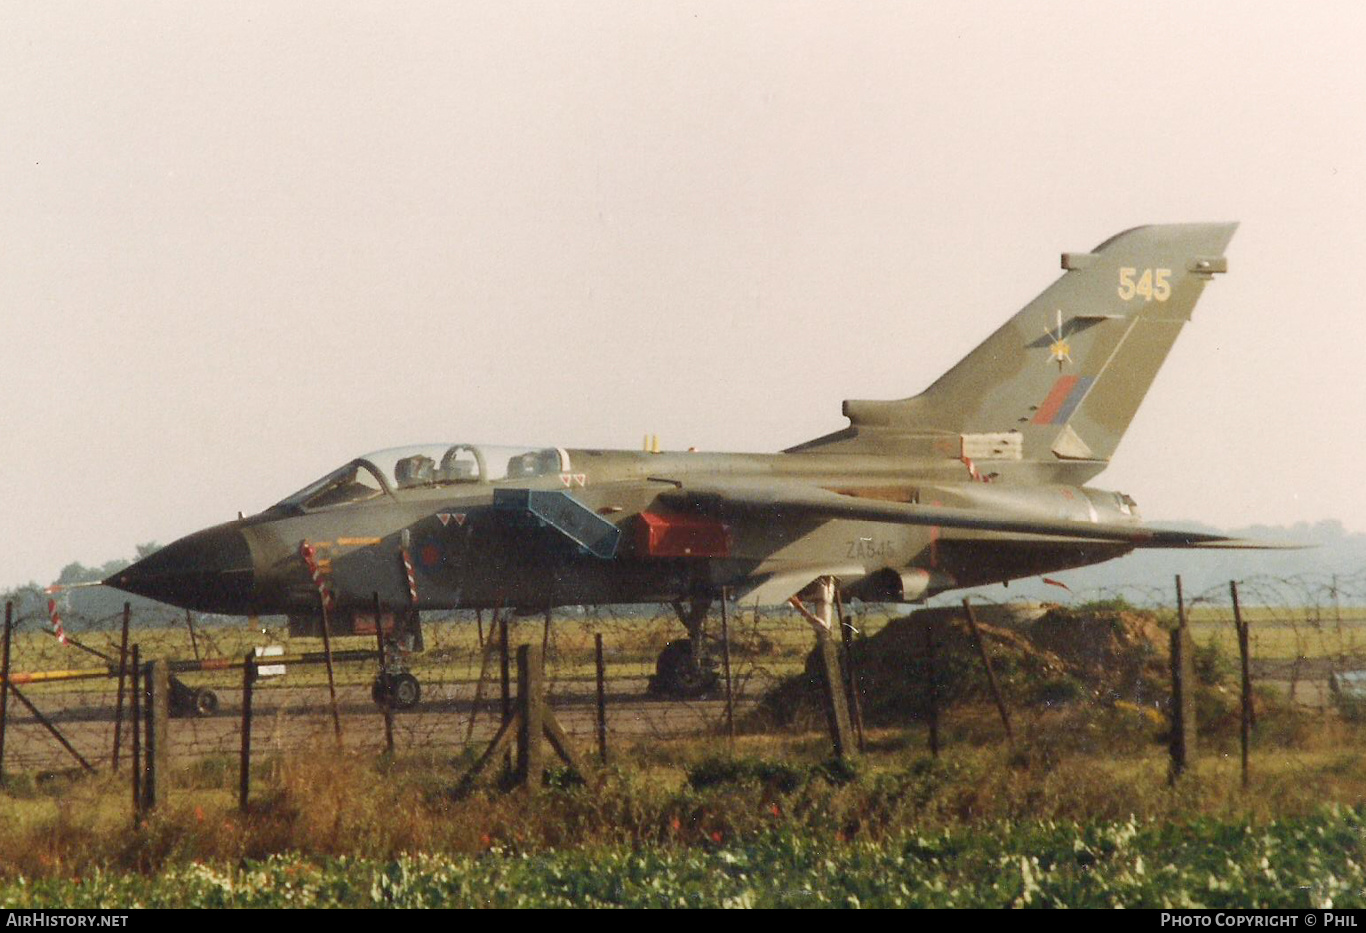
point(862, 548)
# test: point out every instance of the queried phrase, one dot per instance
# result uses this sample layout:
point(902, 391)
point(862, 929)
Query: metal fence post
point(386, 707)
point(244, 772)
point(1183, 691)
point(194, 642)
point(602, 697)
point(725, 666)
point(932, 691)
point(327, 656)
point(135, 713)
point(123, 676)
point(1244, 651)
point(504, 673)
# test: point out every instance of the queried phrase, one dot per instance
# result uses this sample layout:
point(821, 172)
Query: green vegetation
point(1313, 861)
point(1077, 811)
point(1049, 822)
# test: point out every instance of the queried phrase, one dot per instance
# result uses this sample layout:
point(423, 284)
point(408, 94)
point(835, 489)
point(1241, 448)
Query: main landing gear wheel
point(678, 674)
point(399, 691)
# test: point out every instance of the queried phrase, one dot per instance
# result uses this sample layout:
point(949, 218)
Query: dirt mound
point(1063, 655)
point(1109, 649)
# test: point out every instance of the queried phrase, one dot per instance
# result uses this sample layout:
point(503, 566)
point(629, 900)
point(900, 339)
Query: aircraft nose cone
point(208, 571)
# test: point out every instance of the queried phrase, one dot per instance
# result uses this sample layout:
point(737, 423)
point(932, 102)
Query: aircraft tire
point(205, 702)
point(398, 691)
point(404, 691)
point(676, 675)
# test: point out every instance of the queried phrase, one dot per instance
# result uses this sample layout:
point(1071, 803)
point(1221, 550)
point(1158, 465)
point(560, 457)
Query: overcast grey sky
point(241, 243)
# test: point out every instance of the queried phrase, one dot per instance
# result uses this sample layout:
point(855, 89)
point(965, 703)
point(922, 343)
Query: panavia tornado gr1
point(979, 479)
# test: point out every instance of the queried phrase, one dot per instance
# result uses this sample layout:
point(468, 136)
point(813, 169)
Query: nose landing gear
point(400, 690)
point(395, 686)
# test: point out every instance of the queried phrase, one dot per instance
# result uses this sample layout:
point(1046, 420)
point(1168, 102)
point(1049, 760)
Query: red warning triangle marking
point(445, 518)
point(459, 518)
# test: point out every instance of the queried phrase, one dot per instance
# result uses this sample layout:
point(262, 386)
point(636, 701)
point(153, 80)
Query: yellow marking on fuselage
point(357, 542)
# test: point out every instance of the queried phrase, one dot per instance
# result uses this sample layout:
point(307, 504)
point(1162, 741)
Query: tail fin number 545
point(1152, 284)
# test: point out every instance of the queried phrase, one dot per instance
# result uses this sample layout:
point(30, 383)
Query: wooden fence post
point(853, 686)
point(1183, 692)
point(4, 688)
point(157, 779)
point(836, 706)
point(828, 663)
point(986, 663)
point(530, 724)
point(531, 700)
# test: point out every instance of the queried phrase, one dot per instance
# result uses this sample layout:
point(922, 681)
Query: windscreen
point(424, 467)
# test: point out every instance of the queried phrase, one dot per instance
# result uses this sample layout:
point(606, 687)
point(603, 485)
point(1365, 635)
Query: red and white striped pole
point(310, 557)
point(56, 618)
point(408, 570)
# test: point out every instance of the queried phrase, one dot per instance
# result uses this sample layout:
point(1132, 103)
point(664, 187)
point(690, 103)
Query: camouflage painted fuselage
point(979, 479)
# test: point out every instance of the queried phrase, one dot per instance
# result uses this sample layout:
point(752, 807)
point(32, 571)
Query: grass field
point(1077, 811)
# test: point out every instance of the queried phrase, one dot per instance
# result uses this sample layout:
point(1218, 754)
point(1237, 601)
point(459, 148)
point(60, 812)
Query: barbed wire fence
point(1307, 634)
point(459, 670)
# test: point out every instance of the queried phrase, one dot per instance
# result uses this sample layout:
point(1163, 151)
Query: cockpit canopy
point(425, 467)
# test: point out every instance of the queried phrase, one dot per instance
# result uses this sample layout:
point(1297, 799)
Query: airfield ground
point(1077, 810)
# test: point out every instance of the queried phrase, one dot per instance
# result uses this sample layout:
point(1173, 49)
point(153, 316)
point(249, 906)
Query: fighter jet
point(979, 479)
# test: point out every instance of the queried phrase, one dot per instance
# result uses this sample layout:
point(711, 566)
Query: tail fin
point(1061, 380)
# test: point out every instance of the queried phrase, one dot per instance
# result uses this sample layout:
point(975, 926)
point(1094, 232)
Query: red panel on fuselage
point(681, 536)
